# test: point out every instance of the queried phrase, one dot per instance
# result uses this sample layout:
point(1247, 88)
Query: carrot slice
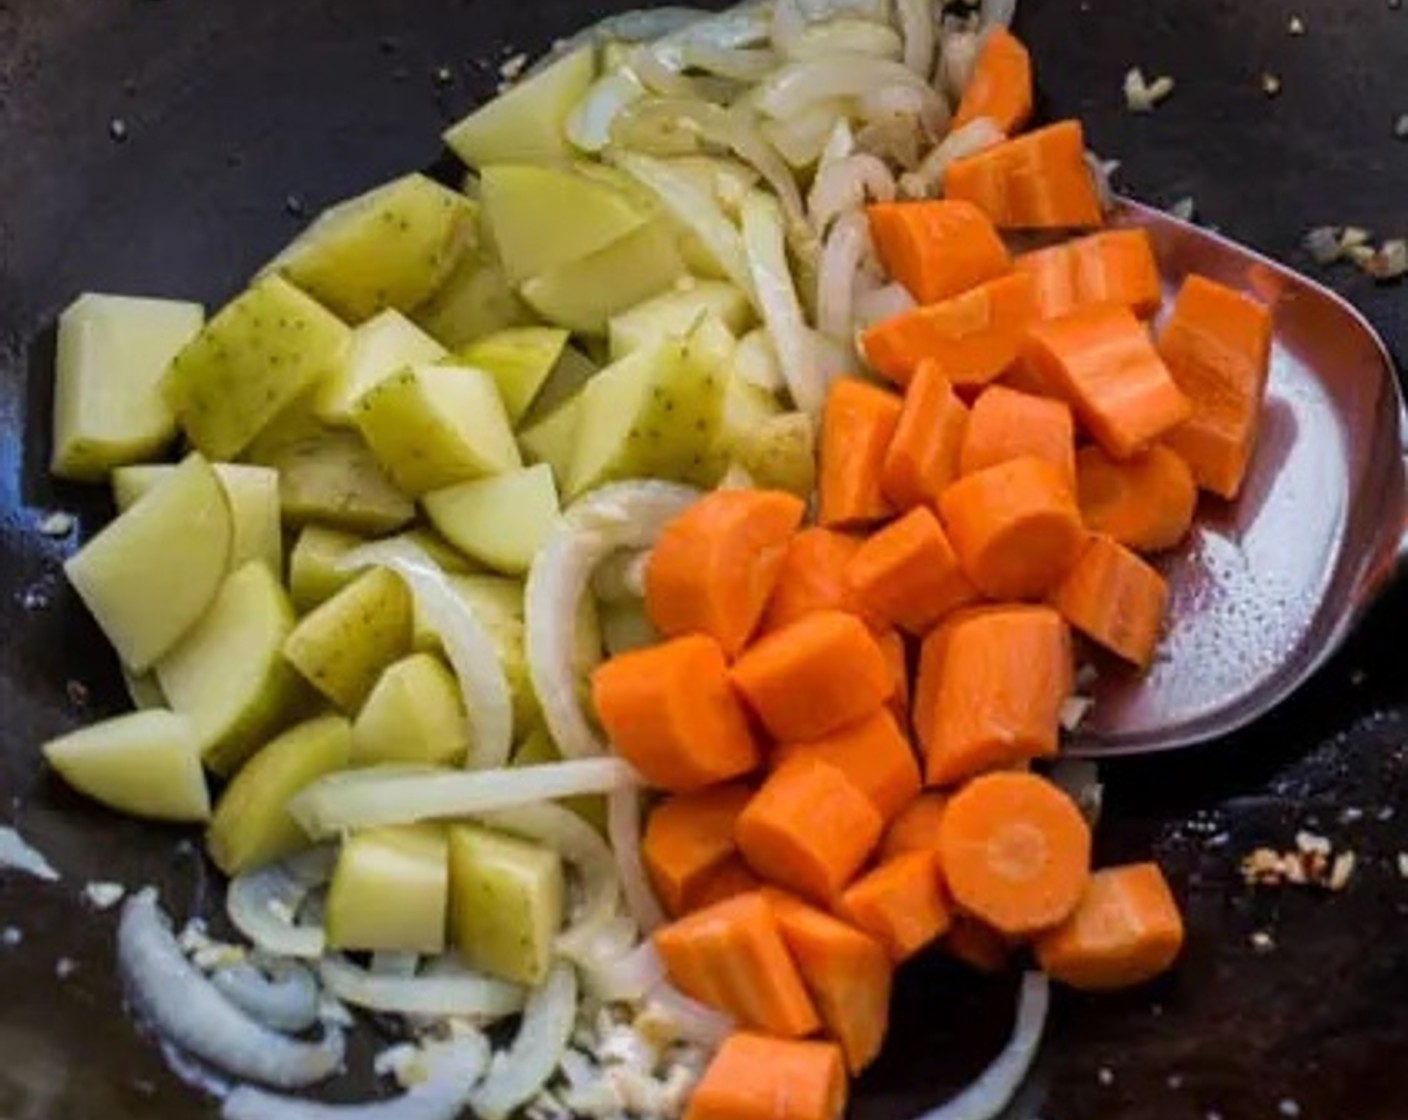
point(975, 336)
point(922, 458)
point(977, 945)
point(1000, 87)
point(728, 880)
point(1146, 502)
point(671, 712)
point(1115, 599)
point(938, 248)
point(908, 575)
point(1100, 359)
point(813, 578)
point(808, 829)
point(687, 838)
point(991, 684)
point(847, 973)
point(1015, 852)
point(1112, 266)
point(897, 658)
point(916, 828)
point(715, 565)
point(873, 753)
point(1036, 181)
point(1217, 344)
point(754, 1077)
point(900, 904)
point(731, 956)
point(1005, 424)
point(1125, 931)
point(814, 677)
point(856, 428)
point(1015, 527)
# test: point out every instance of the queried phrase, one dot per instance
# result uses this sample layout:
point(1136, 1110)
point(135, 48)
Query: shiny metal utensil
point(1266, 588)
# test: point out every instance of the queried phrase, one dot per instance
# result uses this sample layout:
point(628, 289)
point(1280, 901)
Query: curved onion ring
point(529, 1063)
point(846, 250)
point(261, 904)
point(469, 994)
point(623, 827)
point(845, 184)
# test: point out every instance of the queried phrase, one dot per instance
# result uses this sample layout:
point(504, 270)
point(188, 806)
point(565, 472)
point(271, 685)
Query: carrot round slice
point(1005, 424)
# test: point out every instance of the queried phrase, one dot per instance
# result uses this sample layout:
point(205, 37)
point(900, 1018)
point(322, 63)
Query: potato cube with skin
point(475, 300)
point(390, 890)
point(675, 313)
point(501, 521)
point(381, 346)
point(313, 573)
point(552, 441)
point(414, 714)
point(520, 360)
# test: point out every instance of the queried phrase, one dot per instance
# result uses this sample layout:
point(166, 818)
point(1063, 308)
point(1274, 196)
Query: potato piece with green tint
point(573, 370)
point(112, 352)
point(520, 360)
point(538, 749)
point(747, 408)
point(343, 646)
point(142, 689)
point(381, 346)
point(476, 300)
point(145, 764)
point(313, 574)
point(507, 900)
point(552, 441)
point(501, 521)
point(257, 356)
point(414, 714)
point(675, 313)
point(251, 826)
point(524, 124)
point(390, 891)
point(150, 574)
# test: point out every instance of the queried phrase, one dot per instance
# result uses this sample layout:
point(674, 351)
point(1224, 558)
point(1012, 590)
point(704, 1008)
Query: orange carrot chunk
point(1005, 424)
point(731, 956)
point(1100, 359)
point(672, 713)
point(900, 904)
point(873, 753)
point(1145, 502)
point(1217, 344)
point(1112, 266)
point(808, 829)
point(908, 574)
point(687, 838)
point(847, 973)
point(977, 945)
point(916, 828)
point(813, 578)
point(728, 880)
point(856, 427)
point(922, 458)
point(974, 336)
point(991, 684)
point(715, 565)
point(754, 1077)
point(813, 677)
point(1115, 599)
point(1126, 930)
point(1015, 527)
point(897, 658)
point(1000, 87)
point(1015, 852)
point(936, 249)
point(1036, 181)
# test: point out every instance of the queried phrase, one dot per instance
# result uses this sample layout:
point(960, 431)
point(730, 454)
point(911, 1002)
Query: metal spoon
point(1267, 587)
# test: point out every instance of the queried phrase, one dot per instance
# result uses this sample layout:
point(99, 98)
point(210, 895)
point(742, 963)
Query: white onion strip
point(629, 977)
point(845, 184)
point(279, 993)
point(516, 1076)
point(800, 85)
point(926, 180)
point(262, 904)
point(623, 826)
point(846, 37)
point(690, 1019)
point(846, 250)
point(737, 64)
point(917, 26)
point(880, 304)
point(470, 994)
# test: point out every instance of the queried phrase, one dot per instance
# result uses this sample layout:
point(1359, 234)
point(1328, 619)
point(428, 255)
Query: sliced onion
point(917, 25)
point(738, 28)
point(623, 827)
point(466, 993)
point(279, 993)
point(840, 144)
point(997, 13)
point(659, 76)
point(957, 57)
point(1102, 171)
point(846, 249)
point(689, 1019)
point(589, 124)
point(386, 963)
point(898, 138)
point(926, 181)
point(924, 117)
point(18, 853)
point(802, 139)
point(789, 23)
point(262, 904)
point(620, 578)
point(518, 1075)
point(846, 37)
point(755, 362)
point(845, 184)
point(189, 1011)
point(628, 978)
point(879, 304)
point(738, 64)
point(801, 85)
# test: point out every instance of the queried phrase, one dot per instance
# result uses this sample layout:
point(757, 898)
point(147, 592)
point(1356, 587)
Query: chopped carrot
point(847, 973)
point(900, 904)
point(715, 565)
point(856, 428)
point(728, 880)
point(1101, 360)
point(975, 336)
point(1015, 527)
point(916, 829)
point(1115, 599)
point(1112, 266)
point(813, 677)
point(936, 248)
point(1005, 424)
point(908, 574)
point(687, 838)
point(754, 1077)
point(809, 829)
point(1126, 930)
point(897, 658)
point(1146, 502)
point(731, 956)
point(873, 753)
point(1036, 181)
point(977, 945)
point(1000, 87)
point(813, 578)
point(1025, 379)
point(922, 458)
point(672, 713)
point(1217, 344)
point(1015, 852)
point(991, 684)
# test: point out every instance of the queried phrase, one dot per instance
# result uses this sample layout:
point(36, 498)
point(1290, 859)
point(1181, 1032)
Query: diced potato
point(780, 454)
point(143, 689)
point(475, 300)
point(390, 891)
point(433, 426)
point(313, 574)
point(414, 714)
point(445, 555)
point(146, 764)
point(257, 356)
point(573, 370)
point(520, 360)
point(553, 440)
point(343, 646)
point(228, 674)
point(381, 346)
point(727, 181)
point(251, 826)
point(501, 521)
point(507, 899)
point(149, 575)
point(524, 124)
point(675, 312)
point(538, 749)
point(747, 409)
point(626, 626)
point(111, 354)
point(390, 247)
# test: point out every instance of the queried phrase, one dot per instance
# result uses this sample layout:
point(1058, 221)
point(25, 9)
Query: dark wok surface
point(242, 114)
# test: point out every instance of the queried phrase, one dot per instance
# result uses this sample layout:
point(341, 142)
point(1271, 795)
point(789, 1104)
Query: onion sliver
point(739, 64)
point(469, 994)
point(846, 36)
point(620, 578)
point(623, 827)
point(846, 249)
point(262, 903)
point(515, 1077)
point(588, 125)
point(788, 25)
point(997, 13)
point(189, 1011)
point(957, 57)
point(281, 994)
point(845, 184)
point(800, 85)
point(629, 977)
point(689, 1019)
point(882, 303)
point(926, 180)
point(917, 25)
